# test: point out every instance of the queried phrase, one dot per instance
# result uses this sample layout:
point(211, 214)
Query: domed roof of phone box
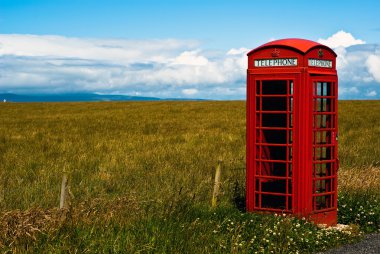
point(301, 45)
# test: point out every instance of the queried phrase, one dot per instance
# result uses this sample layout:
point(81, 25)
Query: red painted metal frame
point(325, 106)
point(306, 192)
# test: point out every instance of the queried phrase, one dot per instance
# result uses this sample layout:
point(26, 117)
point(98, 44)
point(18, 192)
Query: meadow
point(141, 179)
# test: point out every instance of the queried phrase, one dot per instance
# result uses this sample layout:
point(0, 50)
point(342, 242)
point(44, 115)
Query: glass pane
point(319, 88)
point(273, 168)
point(258, 87)
point(273, 153)
point(258, 120)
point(274, 186)
point(291, 87)
point(322, 202)
point(321, 153)
point(274, 120)
point(322, 121)
point(258, 103)
point(274, 87)
point(274, 136)
point(289, 203)
point(322, 137)
point(323, 169)
point(320, 169)
point(290, 103)
point(290, 189)
point(326, 88)
point(257, 196)
point(290, 153)
point(321, 186)
point(274, 103)
point(273, 201)
point(323, 88)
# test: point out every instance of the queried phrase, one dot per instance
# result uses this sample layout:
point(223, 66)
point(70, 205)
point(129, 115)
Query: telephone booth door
point(325, 148)
point(273, 143)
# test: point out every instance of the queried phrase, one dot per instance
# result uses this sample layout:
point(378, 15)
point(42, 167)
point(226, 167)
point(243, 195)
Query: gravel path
point(369, 245)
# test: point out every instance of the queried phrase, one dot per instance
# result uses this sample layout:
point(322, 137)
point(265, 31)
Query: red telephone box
point(292, 89)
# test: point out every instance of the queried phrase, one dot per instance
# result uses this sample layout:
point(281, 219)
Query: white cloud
point(350, 63)
point(348, 91)
point(191, 58)
point(341, 39)
point(239, 51)
point(161, 68)
point(190, 91)
point(373, 65)
point(371, 93)
point(113, 50)
point(154, 67)
point(358, 65)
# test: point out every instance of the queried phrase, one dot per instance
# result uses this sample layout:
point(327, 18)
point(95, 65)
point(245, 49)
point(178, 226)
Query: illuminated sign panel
point(320, 63)
point(277, 62)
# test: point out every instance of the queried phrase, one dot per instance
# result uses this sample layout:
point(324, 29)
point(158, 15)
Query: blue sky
point(175, 48)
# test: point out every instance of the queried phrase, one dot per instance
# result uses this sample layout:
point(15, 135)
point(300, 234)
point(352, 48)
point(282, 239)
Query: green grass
point(112, 149)
point(141, 179)
point(359, 132)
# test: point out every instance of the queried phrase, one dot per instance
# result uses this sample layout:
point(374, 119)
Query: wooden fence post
point(215, 194)
point(62, 201)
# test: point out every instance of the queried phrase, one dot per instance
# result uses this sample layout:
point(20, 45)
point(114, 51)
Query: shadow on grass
point(238, 198)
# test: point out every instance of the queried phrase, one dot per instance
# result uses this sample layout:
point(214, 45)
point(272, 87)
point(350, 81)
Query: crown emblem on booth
point(320, 53)
point(275, 53)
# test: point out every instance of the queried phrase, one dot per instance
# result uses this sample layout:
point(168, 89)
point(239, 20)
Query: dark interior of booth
point(274, 105)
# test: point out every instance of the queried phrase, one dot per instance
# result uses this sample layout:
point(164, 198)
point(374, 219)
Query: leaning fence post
point(62, 200)
point(215, 194)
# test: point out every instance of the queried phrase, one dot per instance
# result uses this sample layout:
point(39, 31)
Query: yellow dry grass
point(360, 179)
point(22, 227)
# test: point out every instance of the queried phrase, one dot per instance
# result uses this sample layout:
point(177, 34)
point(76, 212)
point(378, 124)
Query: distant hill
point(77, 97)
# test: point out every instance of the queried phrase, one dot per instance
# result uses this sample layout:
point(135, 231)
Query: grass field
point(140, 179)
